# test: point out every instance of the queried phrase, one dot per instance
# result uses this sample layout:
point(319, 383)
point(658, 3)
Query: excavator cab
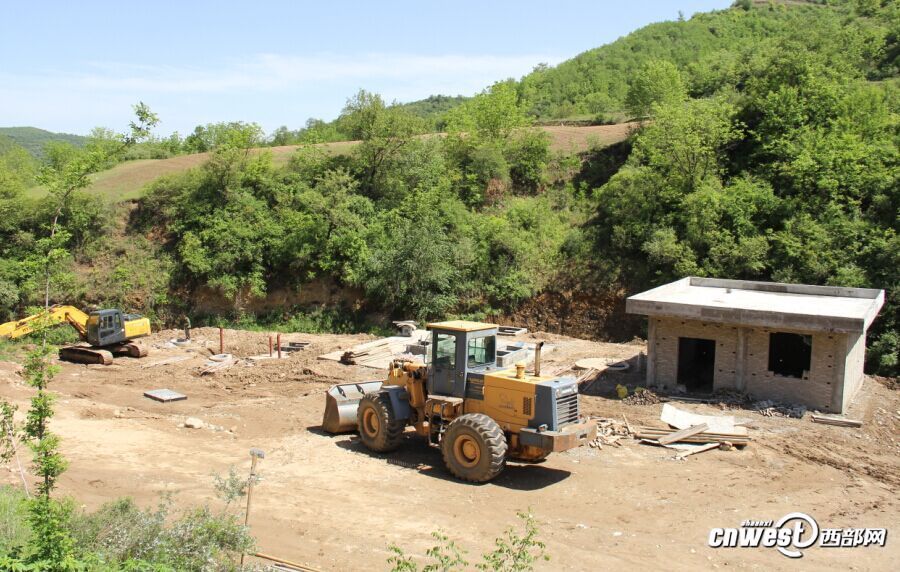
point(105, 327)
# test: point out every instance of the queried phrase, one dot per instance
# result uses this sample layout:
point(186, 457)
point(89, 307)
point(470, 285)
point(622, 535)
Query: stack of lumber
point(839, 421)
point(690, 428)
point(378, 353)
point(665, 436)
point(373, 354)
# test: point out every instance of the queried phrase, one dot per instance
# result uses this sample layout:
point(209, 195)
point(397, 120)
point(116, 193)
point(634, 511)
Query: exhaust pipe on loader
point(341, 403)
point(537, 358)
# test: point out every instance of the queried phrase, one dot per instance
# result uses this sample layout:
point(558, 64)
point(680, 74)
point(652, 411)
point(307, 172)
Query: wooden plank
point(837, 421)
point(665, 431)
point(654, 434)
point(683, 433)
point(700, 449)
point(708, 436)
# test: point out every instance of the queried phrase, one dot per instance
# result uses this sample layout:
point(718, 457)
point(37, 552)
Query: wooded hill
point(35, 140)
point(769, 151)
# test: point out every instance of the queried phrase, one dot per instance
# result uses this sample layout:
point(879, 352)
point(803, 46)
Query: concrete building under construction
point(788, 342)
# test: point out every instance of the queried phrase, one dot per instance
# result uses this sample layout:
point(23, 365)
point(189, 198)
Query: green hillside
point(33, 139)
point(705, 49)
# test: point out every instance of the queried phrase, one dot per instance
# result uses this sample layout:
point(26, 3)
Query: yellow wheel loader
point(478, 414)
point(107, 333)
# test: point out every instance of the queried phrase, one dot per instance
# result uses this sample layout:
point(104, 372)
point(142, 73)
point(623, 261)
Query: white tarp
point(681, 419)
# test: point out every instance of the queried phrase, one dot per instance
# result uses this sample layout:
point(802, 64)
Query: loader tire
point(474, 448)
point(378, 429)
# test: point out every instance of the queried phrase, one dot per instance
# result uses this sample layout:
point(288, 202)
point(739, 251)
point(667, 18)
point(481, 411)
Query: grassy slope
point(127, 181)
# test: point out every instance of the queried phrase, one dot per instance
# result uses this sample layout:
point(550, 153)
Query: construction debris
point(295, 346)
point(165, 395)
point(217, 363)
point(694, 428)
point(837, 421)
point(602, 364)
point(407, 327)
point(511, 331)
point(771, 408)
point(642, 396)
point(610, 432)
point(168, 361)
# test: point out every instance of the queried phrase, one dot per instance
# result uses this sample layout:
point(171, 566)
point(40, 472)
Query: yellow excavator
point(476, 413)
point(107, 333)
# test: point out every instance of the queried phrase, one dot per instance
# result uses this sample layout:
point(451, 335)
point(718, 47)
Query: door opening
point(696, 364)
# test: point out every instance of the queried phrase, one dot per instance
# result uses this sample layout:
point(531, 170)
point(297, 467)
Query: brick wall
point(816, 390)
point(742, 362)
point(666, 348)
point(853, 371)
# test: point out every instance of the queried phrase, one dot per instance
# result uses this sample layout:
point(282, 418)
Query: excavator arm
point(56, 314)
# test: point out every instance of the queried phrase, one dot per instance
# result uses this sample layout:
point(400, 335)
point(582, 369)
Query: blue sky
point(71, 66)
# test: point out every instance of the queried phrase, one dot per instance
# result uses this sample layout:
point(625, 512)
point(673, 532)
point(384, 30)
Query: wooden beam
point(837, 421)
point(682, 434)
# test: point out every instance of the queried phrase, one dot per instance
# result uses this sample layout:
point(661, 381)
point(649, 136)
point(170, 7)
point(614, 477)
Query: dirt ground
point(327, 502)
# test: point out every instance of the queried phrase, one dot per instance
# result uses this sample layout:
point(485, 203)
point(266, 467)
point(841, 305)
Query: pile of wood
point(374, 354)
point(610, 432)
point(378, 353)
point(690, 433)
point(693, 434)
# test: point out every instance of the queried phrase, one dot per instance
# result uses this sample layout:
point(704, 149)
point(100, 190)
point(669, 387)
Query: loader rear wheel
point(378, 429)
point(474, 448)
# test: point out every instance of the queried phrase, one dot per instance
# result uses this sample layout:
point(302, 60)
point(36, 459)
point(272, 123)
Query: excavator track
point(84, 354)
point(131, 350)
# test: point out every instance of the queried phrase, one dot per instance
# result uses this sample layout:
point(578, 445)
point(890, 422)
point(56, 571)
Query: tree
point(237, 134)
point(491, 115)
point(658, 83)
point(66, 173)
point(686, 141)
point(384, 131)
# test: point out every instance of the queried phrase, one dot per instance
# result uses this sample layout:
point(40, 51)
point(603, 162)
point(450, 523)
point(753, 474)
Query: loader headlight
point(564, 391)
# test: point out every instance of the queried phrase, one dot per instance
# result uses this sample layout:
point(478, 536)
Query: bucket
point(341, 403)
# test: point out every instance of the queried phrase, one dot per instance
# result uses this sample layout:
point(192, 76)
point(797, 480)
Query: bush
point(121, 536)
point(14, 529)
point(513, 552)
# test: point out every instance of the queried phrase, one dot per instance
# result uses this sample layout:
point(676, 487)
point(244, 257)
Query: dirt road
point(327, 502)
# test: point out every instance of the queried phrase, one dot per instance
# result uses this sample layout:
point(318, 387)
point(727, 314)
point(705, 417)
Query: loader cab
point(105, 327)
point(461, 351)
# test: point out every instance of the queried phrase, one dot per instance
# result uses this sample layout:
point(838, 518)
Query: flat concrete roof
point(762, 304)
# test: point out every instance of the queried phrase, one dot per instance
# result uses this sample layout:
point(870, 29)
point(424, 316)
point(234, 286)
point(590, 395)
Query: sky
point(72, 66)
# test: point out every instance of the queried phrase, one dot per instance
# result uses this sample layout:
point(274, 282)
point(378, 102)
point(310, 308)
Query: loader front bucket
point(341, 403)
